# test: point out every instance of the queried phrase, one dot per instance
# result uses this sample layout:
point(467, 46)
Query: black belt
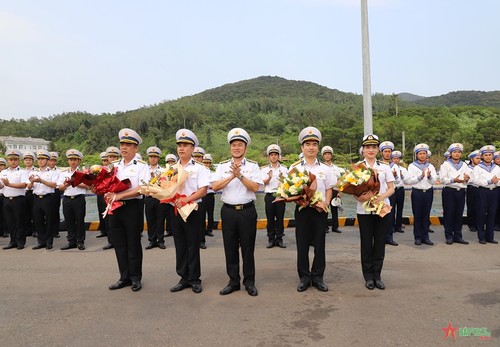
point(129, 202)
point(400, 188)
point(457, 189)
point(14, 197)
point(43, 196)
point(422, 190)
point(270, 194)
point(240, 207)
point(487, 188)
point(74, 196)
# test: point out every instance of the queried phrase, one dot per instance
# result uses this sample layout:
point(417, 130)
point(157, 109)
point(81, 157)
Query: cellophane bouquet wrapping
point(300, 187)
point(361, 179)
point(104, 180)
point(166, 187)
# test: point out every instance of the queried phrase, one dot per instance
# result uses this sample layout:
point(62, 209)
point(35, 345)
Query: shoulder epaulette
point(141, 161)
point(225, 161)
point(296, 163)
point(66, 169)
point(115, 161)
point(381, 162)
point(252, 161)
point(359, 162)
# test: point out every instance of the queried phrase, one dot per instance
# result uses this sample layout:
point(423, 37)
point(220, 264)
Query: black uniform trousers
point(187, 246)
point(335, 212)
point(372, 231)
point(275, 214)
point(310, 227)
point(43, 217)
point(497, 219)
point(29, 225)
point(472, 192)
point(156, 214)
point(3, 225)
point(453, 210)
point(421, 204)
point(56, 210)
point(103, 221)
point(14, 210)
point(126, 225)
point(74, 216)
point(206, 209)
point(389, 234)
point(487, 202)
point(239, 227)
point(397, 201)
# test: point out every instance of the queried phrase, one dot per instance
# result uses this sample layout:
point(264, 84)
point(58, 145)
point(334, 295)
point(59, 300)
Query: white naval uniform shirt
point(210, 179)
point(483, 174)
point(272, 185)
point(324, 175)
point(401, 177)
point(29, 171)
point(449, 171)
point(47, 175)
point(16, 175)
point(415, 170)
point(136, 171)
point(155, 171)
point(384, 176)
point(198, 177)
point(235, 193)
point(70, 190)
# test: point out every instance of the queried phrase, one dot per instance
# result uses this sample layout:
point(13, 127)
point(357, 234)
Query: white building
point(24, 143)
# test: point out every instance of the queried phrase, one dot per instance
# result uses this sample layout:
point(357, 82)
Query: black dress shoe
point(399, 231)
point(68, 246)
point(492, 241)
point(161, 245)
point(431, 231)
point(49, 247)
point(203, 245)
point(81, 246)
point(449, 242)
point(369, 284)
point(108, 246)
point(168, 234)
point(209, 233)
point(392, 243)
point(472, 230)
point(197, 288)
point(151, 245)
point(252, 291)
point(337, 231)
point(120, 284)
point(418, 242)
point(327, 230)
point(136, 286)
point(7, 235)
point(302, 287)
point(178, 287)
point(11, 246)
point(101, 235)
point(379, 284)
point(57, 235)
point(35, 235)
point(483, 242)
point(462, 241)
point(229, 289)
point(39, 246)
point(281, 244)
point(321, 286)
point(19, 247)
point(270, 244)
point(428, 242)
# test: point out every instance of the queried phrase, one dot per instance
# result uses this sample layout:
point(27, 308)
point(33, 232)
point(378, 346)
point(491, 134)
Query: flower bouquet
point(103, 180)
point(360, 180)
point(166, 187)
point(300, 187)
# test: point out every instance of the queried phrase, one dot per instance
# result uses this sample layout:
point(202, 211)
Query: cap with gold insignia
point(153, 151)
point(429, 154)
point(198, 152)
point(446, 154)
point(43, 154)
point(386, 145)
point(13, 153)
point(420, 147)
point(309, 134)
point(238, 134)
point(273, 149)
point(186, 136)
point(326, 149)
point(396, 154)
point(487, 149)
point(54, 155)
point(207, 158)
point(127, 135)
point(138, 156)
point(455, 147)
point(103, 155)
point(29, 154)
point(3, 161)
point(170, 157)
point(473, 154)
point(113, 151)
point(74, 154)
point(496, 155)
point(370, 139)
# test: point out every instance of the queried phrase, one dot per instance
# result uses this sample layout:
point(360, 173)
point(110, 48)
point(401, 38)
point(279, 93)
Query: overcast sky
point(116, 55)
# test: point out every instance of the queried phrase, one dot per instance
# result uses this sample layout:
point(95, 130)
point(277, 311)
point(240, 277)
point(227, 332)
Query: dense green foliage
point(274, 110)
